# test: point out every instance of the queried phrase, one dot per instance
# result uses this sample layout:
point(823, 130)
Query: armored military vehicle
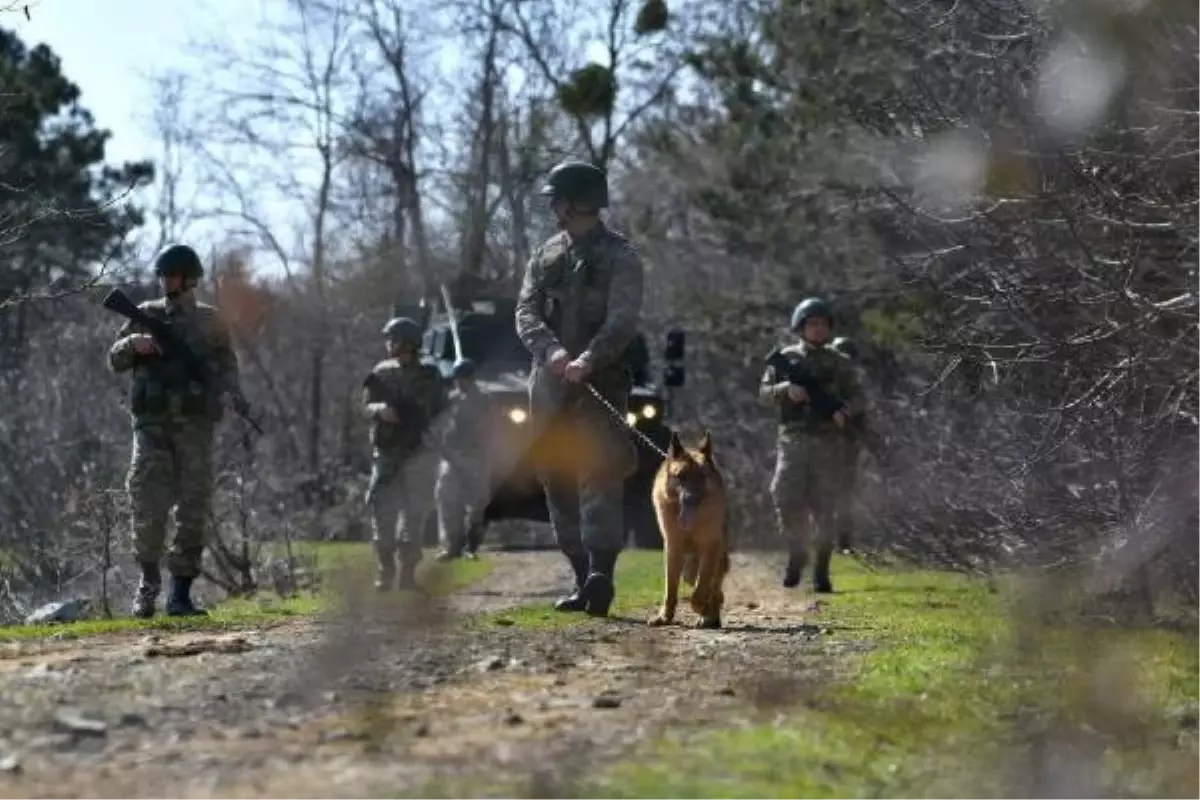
point(488, 337)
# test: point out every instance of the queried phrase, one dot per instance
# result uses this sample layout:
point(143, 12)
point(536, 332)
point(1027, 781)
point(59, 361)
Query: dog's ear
point(675, 448)
point(706, 446)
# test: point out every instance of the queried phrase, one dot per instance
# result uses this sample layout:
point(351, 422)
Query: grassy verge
point(639, 587)
point(961, 697)
point(264, 609)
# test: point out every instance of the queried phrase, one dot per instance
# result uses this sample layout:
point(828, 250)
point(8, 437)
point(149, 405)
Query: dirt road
point(384, 700)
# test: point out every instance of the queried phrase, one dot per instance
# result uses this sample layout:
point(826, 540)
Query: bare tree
point(284, 110)
point(644, 48)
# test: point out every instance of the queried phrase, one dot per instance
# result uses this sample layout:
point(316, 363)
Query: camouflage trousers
point(170, 468)
point(582, 460)
point(805, 489)
point(462, 494)
point(846, 506)
point(400, 497)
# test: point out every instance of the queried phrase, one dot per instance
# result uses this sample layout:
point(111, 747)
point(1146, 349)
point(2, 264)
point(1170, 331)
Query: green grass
point(939, 707)
point(639, 586)
point(265, 608)
point(929, 711)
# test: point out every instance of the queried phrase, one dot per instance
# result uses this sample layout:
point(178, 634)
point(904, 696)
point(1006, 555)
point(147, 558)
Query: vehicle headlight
point(649, 411)
point(631, 418)
point(517, 415)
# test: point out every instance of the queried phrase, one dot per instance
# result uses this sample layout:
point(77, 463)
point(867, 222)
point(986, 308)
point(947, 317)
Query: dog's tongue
point(686, 515)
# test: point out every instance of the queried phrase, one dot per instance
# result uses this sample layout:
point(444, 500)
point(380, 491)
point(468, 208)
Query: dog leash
point(646, 440)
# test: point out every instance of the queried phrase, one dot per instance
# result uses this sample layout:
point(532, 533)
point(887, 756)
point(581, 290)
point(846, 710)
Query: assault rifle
point(174, 348)
point(408, 413)
point(824, 403)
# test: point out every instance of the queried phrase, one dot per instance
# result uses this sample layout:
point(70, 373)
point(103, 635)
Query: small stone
point(726, 691)
point(751, 605)
point(422, 730)
point(512, 718)
point(132, 719)
point(10, 764)
point(504, 622)
point(76, 722)
point(330, 697)
point(606, 700)
point(491, 664)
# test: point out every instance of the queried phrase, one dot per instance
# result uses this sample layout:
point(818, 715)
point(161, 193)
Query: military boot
point(576, 600)
point(179, 602)
point(385, 570)
point(599, 590)
point(146, 598)
point(821, 582)
point(408, 577)
point(791, 573)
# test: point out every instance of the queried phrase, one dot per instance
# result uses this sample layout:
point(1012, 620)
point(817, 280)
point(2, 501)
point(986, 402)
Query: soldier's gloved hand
point(797, 394)
point(577, 371)
point(556, 362)
point(143, 344)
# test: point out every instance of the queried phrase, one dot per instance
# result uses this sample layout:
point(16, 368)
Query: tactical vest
point(577, 285)
point(801, 417)
point(410, 392)
point(162, 386)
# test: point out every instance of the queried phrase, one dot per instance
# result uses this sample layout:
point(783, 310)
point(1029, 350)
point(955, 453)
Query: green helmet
point(577, 182)
point(810, 307)
point(846, 346)
point(179, 259)
point(402, 329)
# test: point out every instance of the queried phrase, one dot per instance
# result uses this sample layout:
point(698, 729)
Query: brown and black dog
point(689, 499)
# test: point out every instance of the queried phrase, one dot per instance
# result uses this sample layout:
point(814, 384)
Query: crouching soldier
point(402, 397)
point(811, 445)
point(463, 487)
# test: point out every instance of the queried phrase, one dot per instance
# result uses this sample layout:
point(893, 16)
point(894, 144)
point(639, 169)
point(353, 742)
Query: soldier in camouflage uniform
point(810, 452)
point(402, 397)
point(174, 419)
point(463, 487)
point(577, 311)
point(846, 507)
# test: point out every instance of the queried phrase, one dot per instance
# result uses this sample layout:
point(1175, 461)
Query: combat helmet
point(846, 346)
point(810, 307)
point(463, 368)
point(577, 182)
point(179, 259)
point(402, 330)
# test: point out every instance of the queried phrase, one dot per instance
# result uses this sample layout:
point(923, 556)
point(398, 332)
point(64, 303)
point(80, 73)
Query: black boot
point(408, 576)
point(146, 598)
point(179, 603)
point(791, 573)
point(576, 600)
point(599, 590)
point(821, 582)
point(385, 570)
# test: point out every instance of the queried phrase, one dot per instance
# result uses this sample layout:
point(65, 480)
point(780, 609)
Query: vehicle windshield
point(492, 341)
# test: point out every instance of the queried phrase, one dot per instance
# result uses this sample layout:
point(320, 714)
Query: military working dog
point(689, 497)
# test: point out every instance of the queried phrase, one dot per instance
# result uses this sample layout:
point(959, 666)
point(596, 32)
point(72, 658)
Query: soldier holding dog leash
point(577, 311)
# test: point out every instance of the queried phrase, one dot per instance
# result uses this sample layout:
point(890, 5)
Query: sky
point(111, 48)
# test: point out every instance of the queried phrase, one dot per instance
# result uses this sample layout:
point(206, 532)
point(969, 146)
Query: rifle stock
point(173, 347)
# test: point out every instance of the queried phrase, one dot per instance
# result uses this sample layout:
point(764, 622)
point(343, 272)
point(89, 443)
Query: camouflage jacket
point(415, 392)
point(161, 388)
point(584, 295)
point(836, 374)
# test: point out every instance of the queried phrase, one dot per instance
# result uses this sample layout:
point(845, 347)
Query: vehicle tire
point(642, 526)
